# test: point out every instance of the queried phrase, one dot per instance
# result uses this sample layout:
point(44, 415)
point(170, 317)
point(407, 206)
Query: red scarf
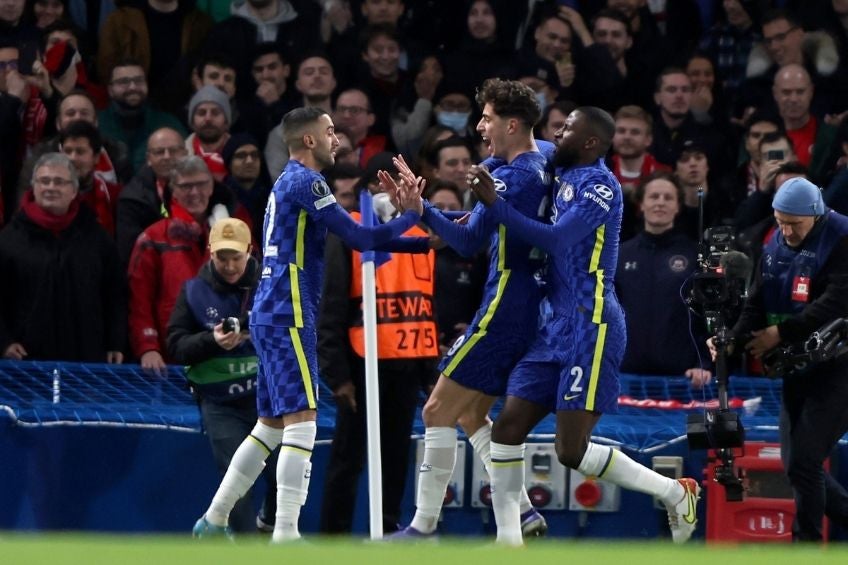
point(213, 159)
point(45, 219)
point(35, 118)
point(104, 168)
point(102, 199)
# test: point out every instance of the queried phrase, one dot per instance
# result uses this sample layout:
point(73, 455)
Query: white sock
point(507, 482)
point(245, 466)
point(433, 477)
point(614, 466)
point(293, 472)
point(481, 441)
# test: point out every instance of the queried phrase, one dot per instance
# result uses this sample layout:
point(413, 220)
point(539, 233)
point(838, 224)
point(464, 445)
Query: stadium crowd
point(166, 118)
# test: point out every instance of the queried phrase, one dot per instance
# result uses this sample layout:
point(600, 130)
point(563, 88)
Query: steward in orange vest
point(408, 350)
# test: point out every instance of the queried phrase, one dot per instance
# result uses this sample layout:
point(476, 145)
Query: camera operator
point(801, 285)
point(208, 333)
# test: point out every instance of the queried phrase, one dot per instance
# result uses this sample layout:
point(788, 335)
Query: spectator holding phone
point(207, 332)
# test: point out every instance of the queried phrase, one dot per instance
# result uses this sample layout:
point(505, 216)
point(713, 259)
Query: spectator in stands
point(459, 280)
point(811, 137)
point(82, 144)
point(65, 293)
point(631, 162)
point(68, 62)
point(649, 46)
point(674, 122)
point(708, 102)
point(46, 12)
point(14, 93)
point(129, 117)
point(220, 360)
point(142, 201)
point(758, 124)
point(553, 118)
point(15, 30)
point(354, 112)
point(263, 109)
point(702, 184)
point(215, 68)
point(730, 40)
point(451, 159)
point(552, 55)
point(170, 252)
point(315, 83)
point(409, 123)
point(836, 193)
point(775, 150)
point(294, 25)
point(453, 108)
point(247, 178)
point(210, 117)
point(785, 43)
point(653, 267)
point(433, 135)
point(388, 86)
point(161, 35)
point(344, 179)
point(112, 164)
point(483, 51)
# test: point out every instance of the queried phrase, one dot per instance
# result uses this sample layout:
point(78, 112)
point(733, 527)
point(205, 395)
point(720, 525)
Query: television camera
point(718, 291)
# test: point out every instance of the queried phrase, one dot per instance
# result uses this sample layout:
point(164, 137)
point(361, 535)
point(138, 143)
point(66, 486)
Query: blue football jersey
point(583, 273)
point(293, 248)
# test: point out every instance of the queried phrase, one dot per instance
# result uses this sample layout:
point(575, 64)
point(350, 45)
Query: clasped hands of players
point(406, 195)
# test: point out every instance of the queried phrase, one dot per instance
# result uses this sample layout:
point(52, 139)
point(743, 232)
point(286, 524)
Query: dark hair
point(267, 48)
point(613, 14)
point(81, 128)
point(372, 32)
point(791, 168)
point(342, 171)
point(59, 25)
point(510, 98)
point(440, 184)
point(774, 136)
point(763, 116)
point(453, 141)
point(563, 106)
point(77, 92)
point(355, 89)
point(639, 193)
point(216, 58)
point(600, 124)
point(666, 72)
point(127, 62)
point(778, 14)
point(297, 120)
point(309, 55)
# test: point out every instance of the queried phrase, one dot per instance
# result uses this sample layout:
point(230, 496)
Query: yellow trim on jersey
point(304, 367)
point(300, 239)
point(599, 274)
point(296, 267)
point(597, 360)
point(501, 247)
point(484, 323)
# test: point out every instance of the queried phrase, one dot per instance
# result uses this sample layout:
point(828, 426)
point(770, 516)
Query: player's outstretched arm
point(553, 239)
point(364, 238)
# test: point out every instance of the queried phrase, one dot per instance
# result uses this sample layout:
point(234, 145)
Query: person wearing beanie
point(801, 285)
point(210, 117)
point(247, 177)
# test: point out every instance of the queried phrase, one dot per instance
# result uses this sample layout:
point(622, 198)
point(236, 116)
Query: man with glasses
point(170, 252)
point(53, 249)
point(353, 113)
point(129, 116)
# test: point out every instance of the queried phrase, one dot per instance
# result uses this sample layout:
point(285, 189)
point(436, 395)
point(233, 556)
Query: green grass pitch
point(61, 549)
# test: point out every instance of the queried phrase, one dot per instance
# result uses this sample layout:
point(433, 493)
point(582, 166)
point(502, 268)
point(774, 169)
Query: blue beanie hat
point(799, 197)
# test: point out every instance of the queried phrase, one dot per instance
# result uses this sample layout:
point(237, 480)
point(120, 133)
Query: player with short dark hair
point(572, 367)
point(300, 210)
point(475, 370)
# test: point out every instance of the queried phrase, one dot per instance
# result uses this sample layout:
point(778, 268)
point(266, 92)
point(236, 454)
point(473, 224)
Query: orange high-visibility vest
point(406, 323)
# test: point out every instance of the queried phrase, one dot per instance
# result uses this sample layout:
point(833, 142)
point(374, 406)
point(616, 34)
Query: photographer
point(207, 332)
point(801, 285)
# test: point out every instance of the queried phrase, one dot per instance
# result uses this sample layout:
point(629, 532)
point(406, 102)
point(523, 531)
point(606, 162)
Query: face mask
point(382, 205)
point(542, 100)
point(457, 121)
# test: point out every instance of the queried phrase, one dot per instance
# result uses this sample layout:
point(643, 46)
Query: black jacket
point(64, 295)
point(139, 206)
point(189, 342)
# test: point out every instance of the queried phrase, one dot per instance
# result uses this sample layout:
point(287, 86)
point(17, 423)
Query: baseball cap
point(229, 233)
point(799, 197)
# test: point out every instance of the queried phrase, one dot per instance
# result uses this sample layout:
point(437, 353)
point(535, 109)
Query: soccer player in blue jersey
point(572, 367)
point(300, 210)
point(474, 372)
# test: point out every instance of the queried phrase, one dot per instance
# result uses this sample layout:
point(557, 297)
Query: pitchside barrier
point(111, 448)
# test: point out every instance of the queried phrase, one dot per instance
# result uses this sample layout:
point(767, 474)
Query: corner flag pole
point(372, 383)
